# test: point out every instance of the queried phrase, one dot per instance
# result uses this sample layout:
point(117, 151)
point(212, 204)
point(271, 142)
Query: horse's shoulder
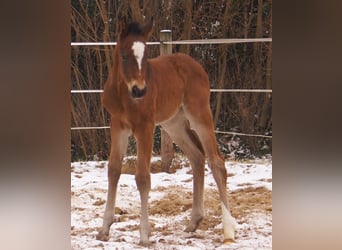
point(110, 97)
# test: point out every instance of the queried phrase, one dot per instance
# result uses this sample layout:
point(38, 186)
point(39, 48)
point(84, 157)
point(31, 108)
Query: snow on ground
point(250, 196)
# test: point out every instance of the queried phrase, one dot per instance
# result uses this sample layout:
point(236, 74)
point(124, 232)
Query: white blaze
point(138, 51)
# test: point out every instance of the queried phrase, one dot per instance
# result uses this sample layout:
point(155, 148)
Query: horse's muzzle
point(138, 93)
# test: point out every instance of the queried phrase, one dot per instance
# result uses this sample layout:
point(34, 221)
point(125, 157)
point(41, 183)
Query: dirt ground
point(169, 208)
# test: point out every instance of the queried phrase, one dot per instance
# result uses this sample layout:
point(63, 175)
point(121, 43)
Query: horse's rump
point(178, 80)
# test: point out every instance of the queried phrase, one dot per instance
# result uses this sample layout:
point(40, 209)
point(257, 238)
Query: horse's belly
point(166, 109)
point(166, 116)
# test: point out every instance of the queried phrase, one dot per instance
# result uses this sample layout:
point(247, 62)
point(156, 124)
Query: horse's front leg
point(144, 137)
point(119, 138)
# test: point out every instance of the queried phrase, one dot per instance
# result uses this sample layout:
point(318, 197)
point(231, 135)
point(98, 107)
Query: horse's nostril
point(138, 93)
point(135, 91)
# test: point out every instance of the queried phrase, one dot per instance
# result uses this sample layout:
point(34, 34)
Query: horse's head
point(132, 55)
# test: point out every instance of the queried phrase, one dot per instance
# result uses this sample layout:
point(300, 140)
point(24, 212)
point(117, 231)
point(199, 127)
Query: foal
point(173, 91)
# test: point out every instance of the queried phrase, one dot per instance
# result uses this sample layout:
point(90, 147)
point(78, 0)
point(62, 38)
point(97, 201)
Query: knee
point(143, 181)
point(218, 167)
point(199, 160)
point(114, 169)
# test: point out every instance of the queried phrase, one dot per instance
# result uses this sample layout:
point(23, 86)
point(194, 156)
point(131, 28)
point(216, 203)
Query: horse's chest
point(138, 113)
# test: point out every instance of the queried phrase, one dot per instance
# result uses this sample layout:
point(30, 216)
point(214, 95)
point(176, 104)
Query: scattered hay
point(242, 202)
point(129, 165)
point(175, 202)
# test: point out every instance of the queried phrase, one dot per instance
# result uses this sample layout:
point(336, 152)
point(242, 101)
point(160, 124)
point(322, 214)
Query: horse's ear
point(123, 27)
point(147, 29)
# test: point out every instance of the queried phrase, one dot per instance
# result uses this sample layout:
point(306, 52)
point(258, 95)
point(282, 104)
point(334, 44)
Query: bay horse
point(172, 91)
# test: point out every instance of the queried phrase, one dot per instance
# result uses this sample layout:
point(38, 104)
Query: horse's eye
point(124, 58)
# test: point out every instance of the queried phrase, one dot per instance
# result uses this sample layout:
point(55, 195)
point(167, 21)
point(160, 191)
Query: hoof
point(102, 236)
point(192, 226)
point(228, 241)
point(190, 229)
point(145, 243)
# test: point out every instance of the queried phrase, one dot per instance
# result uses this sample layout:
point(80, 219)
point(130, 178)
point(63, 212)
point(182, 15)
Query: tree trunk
point(222, 73)
point(265, 115)
point(257, 54)
point(187, 5)
point(245, 101)
point(257, 47)
point(222, 62)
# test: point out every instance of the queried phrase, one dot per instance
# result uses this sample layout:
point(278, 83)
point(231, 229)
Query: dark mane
point(134, 29)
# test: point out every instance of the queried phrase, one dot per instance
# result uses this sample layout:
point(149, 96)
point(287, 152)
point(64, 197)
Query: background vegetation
point(245, 65)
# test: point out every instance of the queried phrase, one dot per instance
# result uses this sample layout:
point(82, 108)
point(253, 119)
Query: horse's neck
point(115, 79)
point(112, 88)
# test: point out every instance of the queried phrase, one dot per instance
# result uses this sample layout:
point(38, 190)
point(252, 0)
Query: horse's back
point(183, 70)
point(185, 66)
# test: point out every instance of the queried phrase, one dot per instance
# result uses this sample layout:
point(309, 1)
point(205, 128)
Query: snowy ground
point(250, 196)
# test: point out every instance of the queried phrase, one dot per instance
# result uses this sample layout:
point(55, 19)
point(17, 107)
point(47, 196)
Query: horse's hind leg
point(179, 130)
point(201, 122)
point(119, 139)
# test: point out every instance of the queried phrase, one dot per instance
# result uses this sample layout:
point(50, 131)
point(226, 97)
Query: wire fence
point(198, 41)
point(203, 41)
point(211, 90)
